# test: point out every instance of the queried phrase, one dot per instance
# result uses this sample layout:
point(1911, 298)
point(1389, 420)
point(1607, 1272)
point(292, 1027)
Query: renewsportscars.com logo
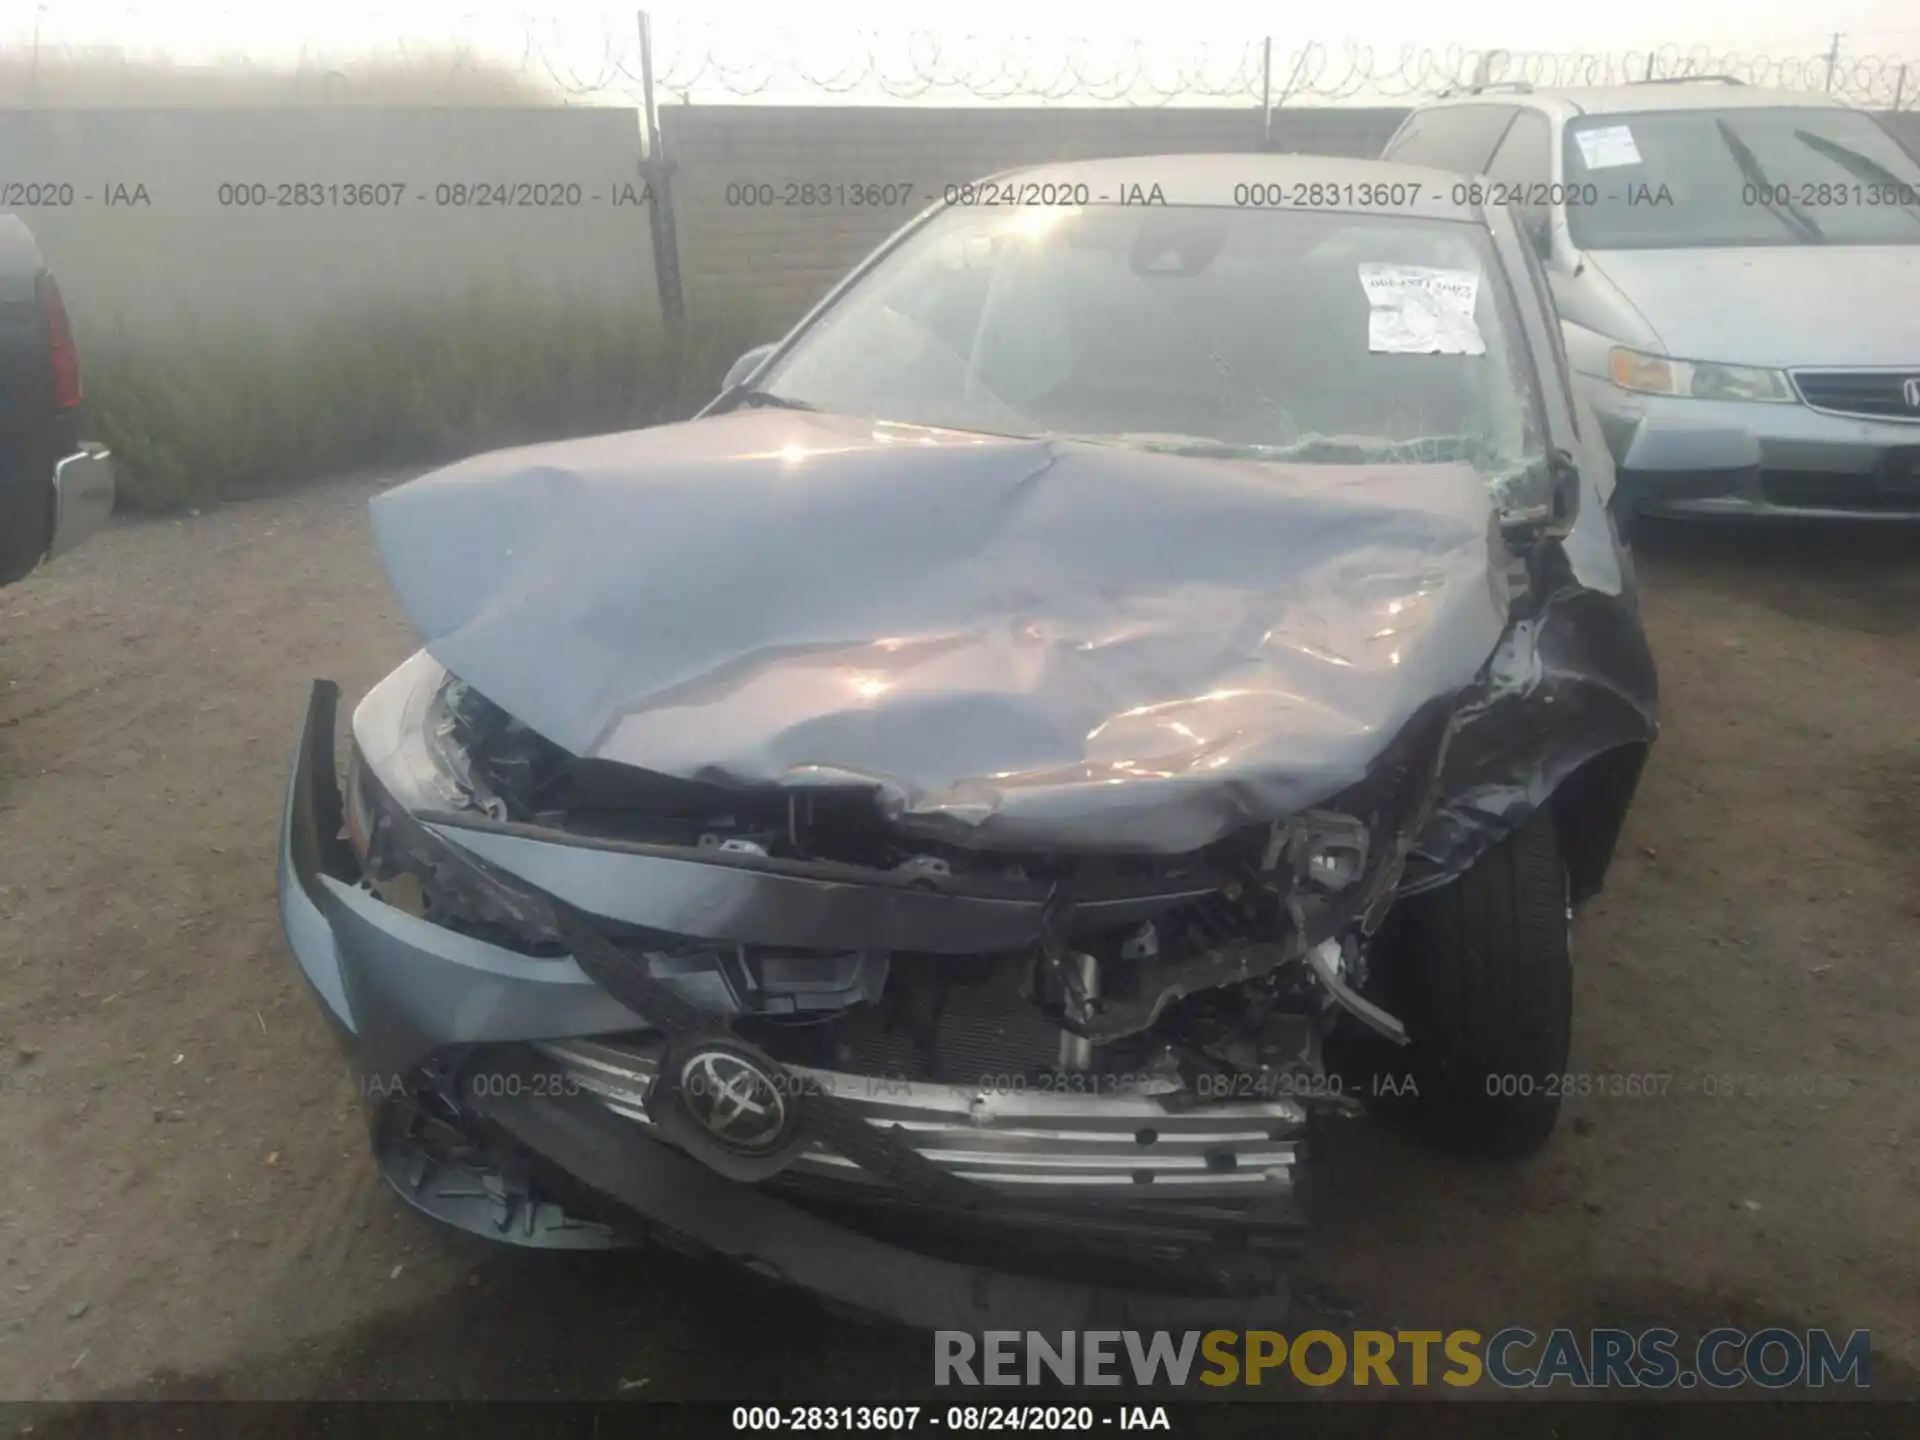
point(1512, 1359)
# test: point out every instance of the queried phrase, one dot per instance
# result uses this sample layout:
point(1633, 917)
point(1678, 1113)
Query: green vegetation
point(199, 414)
point(32, 79)
point(196, 410)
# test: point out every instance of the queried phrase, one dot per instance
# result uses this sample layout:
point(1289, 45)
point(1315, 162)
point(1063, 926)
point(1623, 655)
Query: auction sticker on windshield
point(1607, 146)
point(1421, 311)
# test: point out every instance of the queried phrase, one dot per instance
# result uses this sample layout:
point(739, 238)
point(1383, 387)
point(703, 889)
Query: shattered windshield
point(1749, 175)
point(1254, 334)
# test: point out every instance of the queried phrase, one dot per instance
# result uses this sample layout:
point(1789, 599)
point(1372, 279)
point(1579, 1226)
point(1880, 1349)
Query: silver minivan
point(1723, 254)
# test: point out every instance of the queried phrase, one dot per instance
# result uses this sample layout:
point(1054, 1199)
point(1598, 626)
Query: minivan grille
point(1882, 394)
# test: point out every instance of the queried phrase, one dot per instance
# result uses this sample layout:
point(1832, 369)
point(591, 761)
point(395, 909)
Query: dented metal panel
point(1017, 643)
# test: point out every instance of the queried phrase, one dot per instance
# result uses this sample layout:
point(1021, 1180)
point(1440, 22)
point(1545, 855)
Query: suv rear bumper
point(82, 498)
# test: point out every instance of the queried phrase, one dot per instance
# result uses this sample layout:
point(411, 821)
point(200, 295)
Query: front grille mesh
point(1879, 394)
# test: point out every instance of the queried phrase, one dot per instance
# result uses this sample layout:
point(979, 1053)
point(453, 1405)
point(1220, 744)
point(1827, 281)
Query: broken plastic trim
point(713, 895)
point(1328, 962)
point(1321, 870)
point(474, 889)
point(729, 898)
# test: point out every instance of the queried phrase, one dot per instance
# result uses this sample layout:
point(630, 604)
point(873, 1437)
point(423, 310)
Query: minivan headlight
point(1700, 379)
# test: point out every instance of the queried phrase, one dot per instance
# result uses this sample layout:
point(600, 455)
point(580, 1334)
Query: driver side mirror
point(743, 368)
point(1545, 506)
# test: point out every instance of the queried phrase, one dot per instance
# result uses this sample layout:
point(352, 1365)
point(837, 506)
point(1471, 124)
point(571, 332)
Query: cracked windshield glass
point(1200, 331)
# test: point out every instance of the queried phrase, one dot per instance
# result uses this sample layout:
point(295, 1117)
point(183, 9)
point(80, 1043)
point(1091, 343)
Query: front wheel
point(1481, 974)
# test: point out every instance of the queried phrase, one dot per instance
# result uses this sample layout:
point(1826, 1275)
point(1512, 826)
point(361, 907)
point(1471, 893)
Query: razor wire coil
point(598, 61)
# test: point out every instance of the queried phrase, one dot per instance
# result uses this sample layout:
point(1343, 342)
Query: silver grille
point(1132, 1145)
point(1871, 394)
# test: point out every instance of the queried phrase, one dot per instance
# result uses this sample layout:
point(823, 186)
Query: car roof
point(1692, 95)
point(1217, 180)
point(1652, 95)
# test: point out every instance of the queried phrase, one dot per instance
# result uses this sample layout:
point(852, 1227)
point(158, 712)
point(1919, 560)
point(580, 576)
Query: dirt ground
point(186, 1207)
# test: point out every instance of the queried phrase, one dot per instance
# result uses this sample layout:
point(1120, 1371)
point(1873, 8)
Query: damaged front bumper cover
point(521, 1097)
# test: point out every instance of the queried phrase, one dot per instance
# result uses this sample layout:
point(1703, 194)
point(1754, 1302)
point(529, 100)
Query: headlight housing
point(458, 888)
point(405, 761)
point(1647, 374)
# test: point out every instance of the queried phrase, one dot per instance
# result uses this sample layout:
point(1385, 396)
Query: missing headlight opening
point(1032, 887)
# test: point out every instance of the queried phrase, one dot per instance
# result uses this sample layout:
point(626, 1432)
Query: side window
point(1450, 137)
point(1525, 157)
point(1412, 140)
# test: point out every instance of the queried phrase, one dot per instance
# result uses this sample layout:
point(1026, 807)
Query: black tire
point(26, 494)
point(26, 528)
point(1481, 974)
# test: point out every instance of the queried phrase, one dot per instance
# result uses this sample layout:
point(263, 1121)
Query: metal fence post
point(1266, 92)
point(657, 170)
point(1899, 87)
point(1293, 80)
point(1833, 59)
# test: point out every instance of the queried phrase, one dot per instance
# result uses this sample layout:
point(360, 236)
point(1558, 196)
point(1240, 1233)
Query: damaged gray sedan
point(1118, 682)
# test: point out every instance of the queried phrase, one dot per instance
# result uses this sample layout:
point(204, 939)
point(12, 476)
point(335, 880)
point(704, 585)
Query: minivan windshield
point(1199, 330)
point(1792, 175)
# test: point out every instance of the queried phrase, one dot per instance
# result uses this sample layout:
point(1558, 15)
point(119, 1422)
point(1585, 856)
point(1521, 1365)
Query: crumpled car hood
point(1019, 643)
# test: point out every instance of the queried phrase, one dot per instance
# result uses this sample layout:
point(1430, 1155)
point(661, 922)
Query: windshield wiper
point(1862, 167)
point(1195, 447)
point(1309, 450)
point(1752, 172)
point(767, 400)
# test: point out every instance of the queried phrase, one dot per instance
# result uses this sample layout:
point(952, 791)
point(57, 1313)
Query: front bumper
point(1813, 465)
point(508, 1095)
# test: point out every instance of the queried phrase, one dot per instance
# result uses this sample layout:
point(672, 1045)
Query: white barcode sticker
point(1414, 310)
point(1606, 147)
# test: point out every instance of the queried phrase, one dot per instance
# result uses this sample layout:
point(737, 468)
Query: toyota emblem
point(1910, 392)
point(736, 1102)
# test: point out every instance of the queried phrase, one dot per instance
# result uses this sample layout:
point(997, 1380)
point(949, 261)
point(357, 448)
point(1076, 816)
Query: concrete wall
point(788, 254)
point(184, 254)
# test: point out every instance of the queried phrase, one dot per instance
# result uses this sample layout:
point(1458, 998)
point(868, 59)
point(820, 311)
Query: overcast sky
point(577, 39)
point(1625, 24)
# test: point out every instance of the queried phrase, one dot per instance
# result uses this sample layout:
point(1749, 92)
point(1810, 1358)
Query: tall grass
point(200, 413)
point(200, 409)
point(440, 76)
